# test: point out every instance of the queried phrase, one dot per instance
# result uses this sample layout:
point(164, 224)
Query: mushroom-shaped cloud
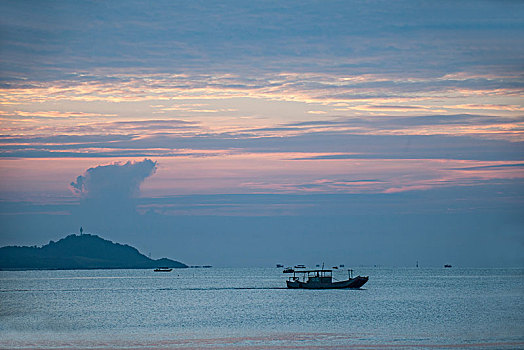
point(113, 181)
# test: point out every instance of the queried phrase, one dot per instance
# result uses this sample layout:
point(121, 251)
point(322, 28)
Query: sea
point(251, 308)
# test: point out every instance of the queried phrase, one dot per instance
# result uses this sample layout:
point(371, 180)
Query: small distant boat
point(300, 266)
point(163, 269)
point(341, 265)
point(335, 267)
point(323, 279)
point(280, 265)
point(288, 270)
point(447, 265)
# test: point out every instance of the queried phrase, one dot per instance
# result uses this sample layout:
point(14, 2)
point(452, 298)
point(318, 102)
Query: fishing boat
point(288, 270)
point(323, 279)
point(163, 269)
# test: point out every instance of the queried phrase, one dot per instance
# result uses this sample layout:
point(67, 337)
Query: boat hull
point(352, 283)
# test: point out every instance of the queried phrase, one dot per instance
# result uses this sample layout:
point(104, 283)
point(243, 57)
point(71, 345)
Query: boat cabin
point(313, 276)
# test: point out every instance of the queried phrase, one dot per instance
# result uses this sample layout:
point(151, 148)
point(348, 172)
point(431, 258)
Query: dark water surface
point(243, 308)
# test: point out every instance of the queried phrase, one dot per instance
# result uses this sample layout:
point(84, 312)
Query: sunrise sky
point(261, 132)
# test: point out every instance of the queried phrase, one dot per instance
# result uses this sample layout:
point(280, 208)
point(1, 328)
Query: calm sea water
point(251, 309)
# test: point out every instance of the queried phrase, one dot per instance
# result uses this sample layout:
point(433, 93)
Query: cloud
point(58, 114)
point(496, 166)
point(418, 137)
point(115, 181)
point(351, 91)
point(482, 107)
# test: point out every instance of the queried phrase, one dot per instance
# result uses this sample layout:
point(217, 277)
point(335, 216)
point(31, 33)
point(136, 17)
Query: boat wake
point(224, 288)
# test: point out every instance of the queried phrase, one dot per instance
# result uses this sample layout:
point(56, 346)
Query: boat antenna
point(322, 266)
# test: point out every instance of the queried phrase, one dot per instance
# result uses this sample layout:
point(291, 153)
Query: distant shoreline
point(79, 252)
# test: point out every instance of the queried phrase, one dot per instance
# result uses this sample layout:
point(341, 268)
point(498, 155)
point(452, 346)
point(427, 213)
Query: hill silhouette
point(80, 252)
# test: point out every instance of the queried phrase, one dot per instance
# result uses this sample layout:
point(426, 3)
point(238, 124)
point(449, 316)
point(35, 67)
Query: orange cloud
point(57, 114)
point(496, 107)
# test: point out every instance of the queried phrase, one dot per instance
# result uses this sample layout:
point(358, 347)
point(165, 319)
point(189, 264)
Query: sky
point(250, 133)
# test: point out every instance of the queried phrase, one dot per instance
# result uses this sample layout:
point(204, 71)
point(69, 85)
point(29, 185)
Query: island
point(77, 252)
